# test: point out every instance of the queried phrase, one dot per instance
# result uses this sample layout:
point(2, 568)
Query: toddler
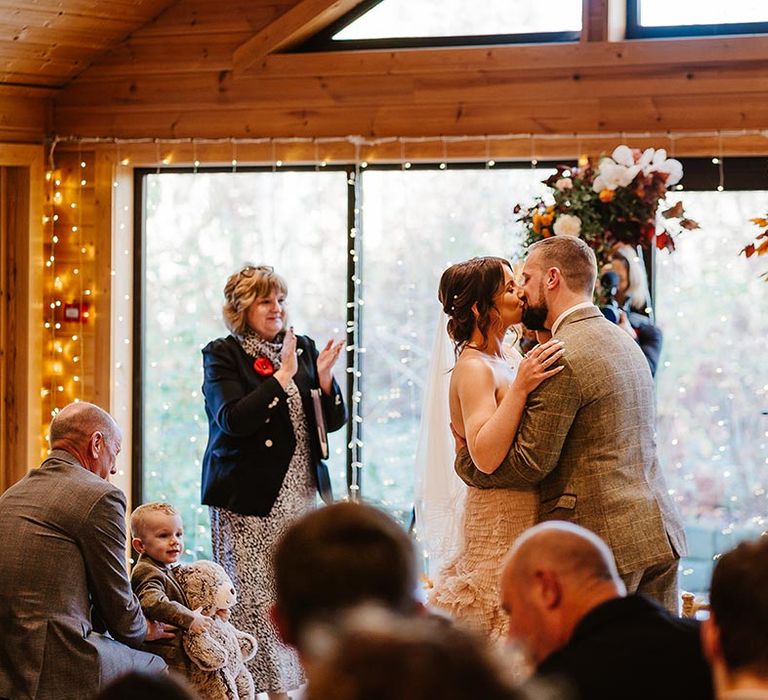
point(158, 534)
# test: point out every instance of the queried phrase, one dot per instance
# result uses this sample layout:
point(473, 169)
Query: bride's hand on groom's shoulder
point(538, 365)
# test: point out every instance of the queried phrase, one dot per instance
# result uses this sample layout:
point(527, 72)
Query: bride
point(486, 399)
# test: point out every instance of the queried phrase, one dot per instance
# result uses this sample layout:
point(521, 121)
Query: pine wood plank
point(671, 52)
point(151, 92)
point(300, 22)
point(586, 115)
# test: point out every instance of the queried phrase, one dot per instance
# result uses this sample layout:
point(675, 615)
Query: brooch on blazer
point(263, 366)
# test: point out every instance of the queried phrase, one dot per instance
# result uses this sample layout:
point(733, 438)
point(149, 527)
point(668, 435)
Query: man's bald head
point(555, 573)
point(76, 422)
point(569, 549)
point(90, 434)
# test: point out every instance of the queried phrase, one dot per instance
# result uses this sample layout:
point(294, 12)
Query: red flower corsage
point(263, 366)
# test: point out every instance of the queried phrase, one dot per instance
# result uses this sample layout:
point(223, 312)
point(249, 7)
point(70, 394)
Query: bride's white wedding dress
point(466, 531)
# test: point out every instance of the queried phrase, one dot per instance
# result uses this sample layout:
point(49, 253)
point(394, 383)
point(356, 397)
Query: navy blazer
point(631, 648)
point(250, 435)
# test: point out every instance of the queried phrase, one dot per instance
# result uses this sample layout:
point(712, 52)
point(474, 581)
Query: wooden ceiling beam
point(571, 58)
point(303, 20)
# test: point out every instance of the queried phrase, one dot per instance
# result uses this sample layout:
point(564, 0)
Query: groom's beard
point(534, 317)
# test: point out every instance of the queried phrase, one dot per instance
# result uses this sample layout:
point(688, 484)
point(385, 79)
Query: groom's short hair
point(573, 257)
point(339, 556)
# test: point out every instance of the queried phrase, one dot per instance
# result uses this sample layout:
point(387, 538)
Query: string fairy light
point(66, 311)
point(58, 225)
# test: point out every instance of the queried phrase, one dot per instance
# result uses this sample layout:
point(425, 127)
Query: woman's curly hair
point(243, 287)
point(473, 283)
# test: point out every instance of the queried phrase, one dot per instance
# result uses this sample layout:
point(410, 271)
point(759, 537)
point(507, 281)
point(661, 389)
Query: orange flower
point(546, 219)
point(546, 232)
point(606, 195)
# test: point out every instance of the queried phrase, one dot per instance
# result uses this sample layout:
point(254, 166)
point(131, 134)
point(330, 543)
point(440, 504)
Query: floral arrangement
point(615, 202)
point(760, 245)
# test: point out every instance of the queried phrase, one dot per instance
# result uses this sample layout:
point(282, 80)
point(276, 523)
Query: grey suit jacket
point(163, 600)
point(587, 439)
point(62, 550)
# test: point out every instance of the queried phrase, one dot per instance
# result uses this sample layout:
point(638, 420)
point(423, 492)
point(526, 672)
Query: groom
point(587, 434)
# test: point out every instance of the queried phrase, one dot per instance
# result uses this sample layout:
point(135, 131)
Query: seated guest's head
point(377, 655)
point(337, 557)
point(735, 637)
point(147, 686)
point(555, 573)
point(88, 433)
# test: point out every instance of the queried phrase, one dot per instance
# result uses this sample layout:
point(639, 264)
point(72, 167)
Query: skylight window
point(403, 19)
point(659, 13)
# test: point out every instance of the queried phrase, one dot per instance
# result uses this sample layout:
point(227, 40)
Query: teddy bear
point(218, 656)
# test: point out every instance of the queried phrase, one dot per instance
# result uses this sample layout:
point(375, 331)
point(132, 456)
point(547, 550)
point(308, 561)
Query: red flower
point(263, 366)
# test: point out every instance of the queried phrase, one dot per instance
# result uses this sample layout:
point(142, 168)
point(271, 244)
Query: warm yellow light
point(125, 161)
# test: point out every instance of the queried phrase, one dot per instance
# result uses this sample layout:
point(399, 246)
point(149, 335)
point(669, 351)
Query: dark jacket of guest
point(250, 435)
point(631, 648)
point(649, 338)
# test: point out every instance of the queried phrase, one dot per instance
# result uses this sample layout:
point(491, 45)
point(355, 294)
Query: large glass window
point(712, 384)
point(199, 229)
point(415, 224)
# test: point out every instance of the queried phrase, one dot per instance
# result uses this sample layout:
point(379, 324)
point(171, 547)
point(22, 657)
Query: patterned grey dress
point(243, 545)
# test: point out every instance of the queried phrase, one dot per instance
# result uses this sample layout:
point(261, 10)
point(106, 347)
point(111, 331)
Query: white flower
point(611, 174)
point(567, 225)
point(623, 156)
point(564, 183)
point(673, 168)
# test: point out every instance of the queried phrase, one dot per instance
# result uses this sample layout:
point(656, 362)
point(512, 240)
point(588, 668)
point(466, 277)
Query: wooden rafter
point(303, 20)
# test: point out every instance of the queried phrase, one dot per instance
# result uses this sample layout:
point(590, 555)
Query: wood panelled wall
point(175, 78)
point(21, 263)
point(26, 114)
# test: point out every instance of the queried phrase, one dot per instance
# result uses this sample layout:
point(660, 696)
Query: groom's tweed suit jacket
point(587, 438)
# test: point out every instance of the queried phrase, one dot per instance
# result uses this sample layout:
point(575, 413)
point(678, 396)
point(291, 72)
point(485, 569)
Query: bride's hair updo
point(466, 284)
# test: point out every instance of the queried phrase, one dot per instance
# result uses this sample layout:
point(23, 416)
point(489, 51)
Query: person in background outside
point(634, 299)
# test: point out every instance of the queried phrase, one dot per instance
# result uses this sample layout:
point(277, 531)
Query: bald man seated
point(569, 609)
point(62, 564)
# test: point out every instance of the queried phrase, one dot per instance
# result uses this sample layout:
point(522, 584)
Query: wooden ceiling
point(211, 69)
point(48, 42)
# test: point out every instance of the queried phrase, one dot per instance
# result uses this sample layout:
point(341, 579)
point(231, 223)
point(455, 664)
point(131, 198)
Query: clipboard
point(322, 433)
